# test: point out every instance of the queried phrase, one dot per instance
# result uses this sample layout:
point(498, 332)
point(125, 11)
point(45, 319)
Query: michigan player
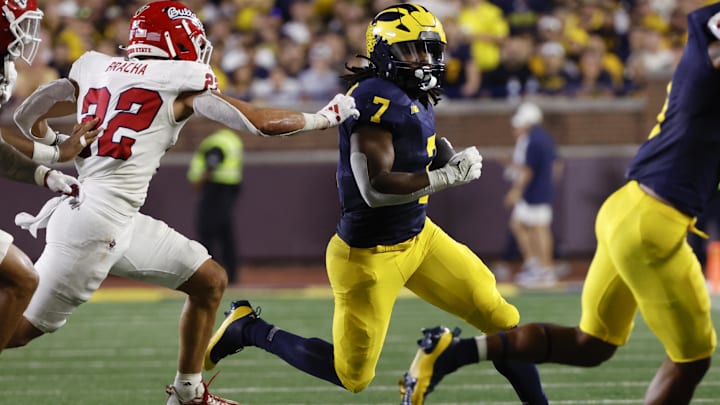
point(643, 261)
point(19, 24)
point(141, 103)
point(384, 239)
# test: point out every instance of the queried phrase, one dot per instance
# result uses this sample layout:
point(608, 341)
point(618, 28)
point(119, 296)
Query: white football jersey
point(134, 101)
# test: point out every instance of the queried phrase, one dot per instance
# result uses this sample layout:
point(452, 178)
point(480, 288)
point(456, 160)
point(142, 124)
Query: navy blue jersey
point(412, 125)
point(680, 160)
point(539, 157)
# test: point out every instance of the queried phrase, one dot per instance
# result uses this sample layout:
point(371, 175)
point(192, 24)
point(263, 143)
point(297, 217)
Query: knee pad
point(503, 317)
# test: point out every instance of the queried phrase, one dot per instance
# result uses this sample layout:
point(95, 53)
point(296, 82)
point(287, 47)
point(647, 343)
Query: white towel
point(39, 221)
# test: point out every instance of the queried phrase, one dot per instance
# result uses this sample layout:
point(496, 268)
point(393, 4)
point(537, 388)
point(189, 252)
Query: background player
point(384, 240)
point(142, 103)
point(643, 260)
point(19, 24)
point(534, 164)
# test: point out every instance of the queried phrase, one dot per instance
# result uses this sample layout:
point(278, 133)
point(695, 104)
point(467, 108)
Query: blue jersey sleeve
point(382, 103)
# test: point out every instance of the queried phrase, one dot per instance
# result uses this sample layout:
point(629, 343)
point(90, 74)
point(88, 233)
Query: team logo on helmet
point(175, 13)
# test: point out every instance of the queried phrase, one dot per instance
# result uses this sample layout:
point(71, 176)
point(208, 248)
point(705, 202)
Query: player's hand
point(60, 182)
point(7, 83)
point(463, 167)
point(340, 108)
point(82, 136)
point(467, 164)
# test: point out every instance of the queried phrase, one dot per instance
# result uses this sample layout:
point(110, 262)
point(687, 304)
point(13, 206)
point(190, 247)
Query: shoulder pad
point(380, 102)
point(86, 62)
point(191, 76)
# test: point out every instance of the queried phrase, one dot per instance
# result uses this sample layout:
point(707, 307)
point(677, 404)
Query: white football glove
point(7, 83)
point(340, 108)
point(463, 167)
point(60, 182)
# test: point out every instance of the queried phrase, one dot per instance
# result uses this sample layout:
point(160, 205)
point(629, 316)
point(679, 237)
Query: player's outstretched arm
point(244, 116)
point(54, 99)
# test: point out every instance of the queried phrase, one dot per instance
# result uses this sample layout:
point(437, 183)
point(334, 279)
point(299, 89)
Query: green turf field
point(119, 352)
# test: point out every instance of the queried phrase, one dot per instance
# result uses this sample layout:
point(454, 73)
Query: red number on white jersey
point(136, 109)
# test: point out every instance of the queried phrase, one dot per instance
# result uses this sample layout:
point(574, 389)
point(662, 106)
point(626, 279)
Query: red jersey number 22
point(136, 109)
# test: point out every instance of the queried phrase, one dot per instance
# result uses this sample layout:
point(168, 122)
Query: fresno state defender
point(142, 103)
point(19, 22)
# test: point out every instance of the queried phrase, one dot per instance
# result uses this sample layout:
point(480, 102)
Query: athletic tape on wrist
point(50, 137)
point(45, 154)
point(40, 173)
point(315, 121)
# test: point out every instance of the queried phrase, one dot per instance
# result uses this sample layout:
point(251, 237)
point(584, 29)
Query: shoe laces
point(215, 400)
point(207, 385)
point(207, 399)
point(256, 312)
point(407, 386)
point(432, 336)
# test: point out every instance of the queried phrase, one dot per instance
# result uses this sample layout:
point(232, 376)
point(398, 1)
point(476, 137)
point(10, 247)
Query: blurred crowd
point(287, 51)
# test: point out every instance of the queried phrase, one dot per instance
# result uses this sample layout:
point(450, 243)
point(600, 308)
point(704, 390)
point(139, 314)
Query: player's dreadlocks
point(360, 73)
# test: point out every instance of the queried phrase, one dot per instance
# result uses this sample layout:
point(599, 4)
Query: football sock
point(455, 356)
point(257, 333)
point(187, 386)
point(525, 380)
point(481, 344)
point(311, 355)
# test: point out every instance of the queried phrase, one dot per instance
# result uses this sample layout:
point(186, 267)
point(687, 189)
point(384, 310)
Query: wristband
point(45, 154)
point(315, 121)
point(50, 137)
point(40, 173)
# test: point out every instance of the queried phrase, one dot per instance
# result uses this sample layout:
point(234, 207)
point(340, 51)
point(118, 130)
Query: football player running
point(384, 239)
point(19, 24)
point(141, 103)
point(643, 261)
